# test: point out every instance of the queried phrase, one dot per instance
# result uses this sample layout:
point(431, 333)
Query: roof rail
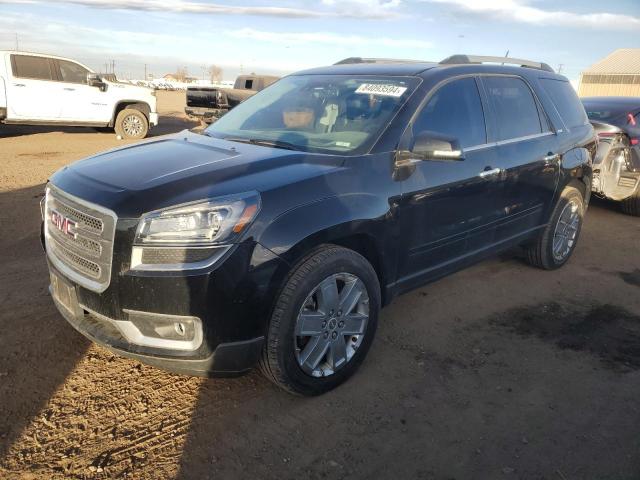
point(352, 60)
point(466, 59)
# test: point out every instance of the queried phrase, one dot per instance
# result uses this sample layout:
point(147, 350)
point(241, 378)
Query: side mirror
point(94, 80)
point(429, 145)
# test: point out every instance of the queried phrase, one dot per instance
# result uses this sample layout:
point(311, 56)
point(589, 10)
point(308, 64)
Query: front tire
point(555, 246)
point(323, 322)
point(131, 124)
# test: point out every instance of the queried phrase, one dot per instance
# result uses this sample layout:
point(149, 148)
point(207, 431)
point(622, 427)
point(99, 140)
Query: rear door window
point(514, 107)
point(72, 72)
point(566, 100)
point(26, 66)
point(455, 110)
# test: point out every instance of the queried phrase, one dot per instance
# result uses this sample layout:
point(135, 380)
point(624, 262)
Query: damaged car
point(616, 167)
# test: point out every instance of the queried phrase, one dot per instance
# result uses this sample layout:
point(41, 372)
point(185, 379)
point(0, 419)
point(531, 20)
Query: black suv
point(275, 237)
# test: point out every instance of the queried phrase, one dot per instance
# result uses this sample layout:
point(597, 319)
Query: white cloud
point(520, 11)
point(365, 8)
point(294, 38)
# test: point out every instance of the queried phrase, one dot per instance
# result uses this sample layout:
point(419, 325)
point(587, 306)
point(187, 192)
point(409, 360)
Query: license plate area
point(64, 293)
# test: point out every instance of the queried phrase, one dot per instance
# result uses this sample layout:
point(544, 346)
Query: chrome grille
point(82, 246)
point(86, 221)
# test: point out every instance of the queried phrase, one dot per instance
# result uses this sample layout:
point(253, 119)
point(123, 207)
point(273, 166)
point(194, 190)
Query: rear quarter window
point(566, 100)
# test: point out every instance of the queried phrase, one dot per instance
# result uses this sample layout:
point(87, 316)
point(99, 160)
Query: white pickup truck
point(48, 90)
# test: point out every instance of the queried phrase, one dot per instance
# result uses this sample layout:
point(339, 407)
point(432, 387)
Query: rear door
point(527, 154)
point(449, 208)
point(33, 92)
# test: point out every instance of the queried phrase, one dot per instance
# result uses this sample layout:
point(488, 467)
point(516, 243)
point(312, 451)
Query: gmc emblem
point(62, 223)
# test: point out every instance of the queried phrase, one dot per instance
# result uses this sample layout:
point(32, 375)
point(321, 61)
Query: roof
point(615, 105)
point(621, 61)
point(395, 69)
point(398, 67)
point(612, 100)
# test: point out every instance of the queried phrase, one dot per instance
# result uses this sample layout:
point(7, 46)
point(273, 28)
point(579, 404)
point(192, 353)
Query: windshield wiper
point(265, 142)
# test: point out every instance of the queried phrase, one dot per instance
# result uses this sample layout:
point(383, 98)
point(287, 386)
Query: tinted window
point(72, 72)
point(248, 84)
point(514, 107)
point(25, 66)
point(566, 101)
point(455, 110)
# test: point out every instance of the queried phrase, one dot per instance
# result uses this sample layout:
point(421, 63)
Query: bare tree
point(215, 73)
point(181, 74)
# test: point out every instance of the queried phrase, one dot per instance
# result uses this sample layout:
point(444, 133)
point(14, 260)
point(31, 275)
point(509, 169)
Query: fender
point(361, 218)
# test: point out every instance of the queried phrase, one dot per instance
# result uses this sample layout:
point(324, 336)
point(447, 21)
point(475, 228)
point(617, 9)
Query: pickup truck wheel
point(323, 322)
point(558, 240)
point(631, 205)
point(131, 123)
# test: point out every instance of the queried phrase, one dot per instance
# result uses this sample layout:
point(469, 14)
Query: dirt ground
point(499, 371)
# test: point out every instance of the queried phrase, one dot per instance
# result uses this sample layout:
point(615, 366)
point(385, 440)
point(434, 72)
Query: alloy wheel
point(331, 324)
point(132, 126)
point(566, 230)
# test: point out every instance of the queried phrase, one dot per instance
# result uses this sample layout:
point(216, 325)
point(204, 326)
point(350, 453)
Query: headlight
point(199, 224)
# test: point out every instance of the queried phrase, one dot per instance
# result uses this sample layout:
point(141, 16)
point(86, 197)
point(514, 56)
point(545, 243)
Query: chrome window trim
point(505, 142)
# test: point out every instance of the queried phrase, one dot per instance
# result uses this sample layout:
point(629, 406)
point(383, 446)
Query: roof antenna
point(506, 55)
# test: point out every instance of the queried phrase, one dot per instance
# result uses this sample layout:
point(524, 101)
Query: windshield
point(318, 113)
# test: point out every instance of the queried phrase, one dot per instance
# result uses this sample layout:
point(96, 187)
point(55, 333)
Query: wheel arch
point(578, 171)
point(142, 107)
point(356, 222)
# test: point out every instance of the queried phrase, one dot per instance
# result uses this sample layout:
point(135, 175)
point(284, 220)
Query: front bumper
point(232, 303)
point(227, 359)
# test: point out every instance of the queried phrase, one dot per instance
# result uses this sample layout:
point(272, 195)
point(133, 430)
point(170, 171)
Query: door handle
point(70, 89)
point(19, 85)
point(490, 173)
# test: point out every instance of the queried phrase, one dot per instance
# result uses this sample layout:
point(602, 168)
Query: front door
point(83, 103)
point(449, 208)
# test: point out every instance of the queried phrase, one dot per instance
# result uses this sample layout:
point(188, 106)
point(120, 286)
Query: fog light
point(162, 331)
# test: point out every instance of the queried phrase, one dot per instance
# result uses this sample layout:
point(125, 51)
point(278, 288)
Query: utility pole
point(17, 44)
point(560, 66)
point(145, 72)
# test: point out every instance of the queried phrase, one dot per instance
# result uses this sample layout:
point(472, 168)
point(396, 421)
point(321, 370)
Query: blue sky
point(281, 36)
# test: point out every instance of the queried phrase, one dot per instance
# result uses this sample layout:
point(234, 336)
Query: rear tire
point(631, 205)
point(553, 248)
point(312, 344)
point(131, 124)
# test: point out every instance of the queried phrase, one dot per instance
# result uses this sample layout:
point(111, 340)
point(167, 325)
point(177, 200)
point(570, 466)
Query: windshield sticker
point(388, 90)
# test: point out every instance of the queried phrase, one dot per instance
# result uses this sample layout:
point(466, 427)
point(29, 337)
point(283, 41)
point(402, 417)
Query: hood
point(184, 167)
